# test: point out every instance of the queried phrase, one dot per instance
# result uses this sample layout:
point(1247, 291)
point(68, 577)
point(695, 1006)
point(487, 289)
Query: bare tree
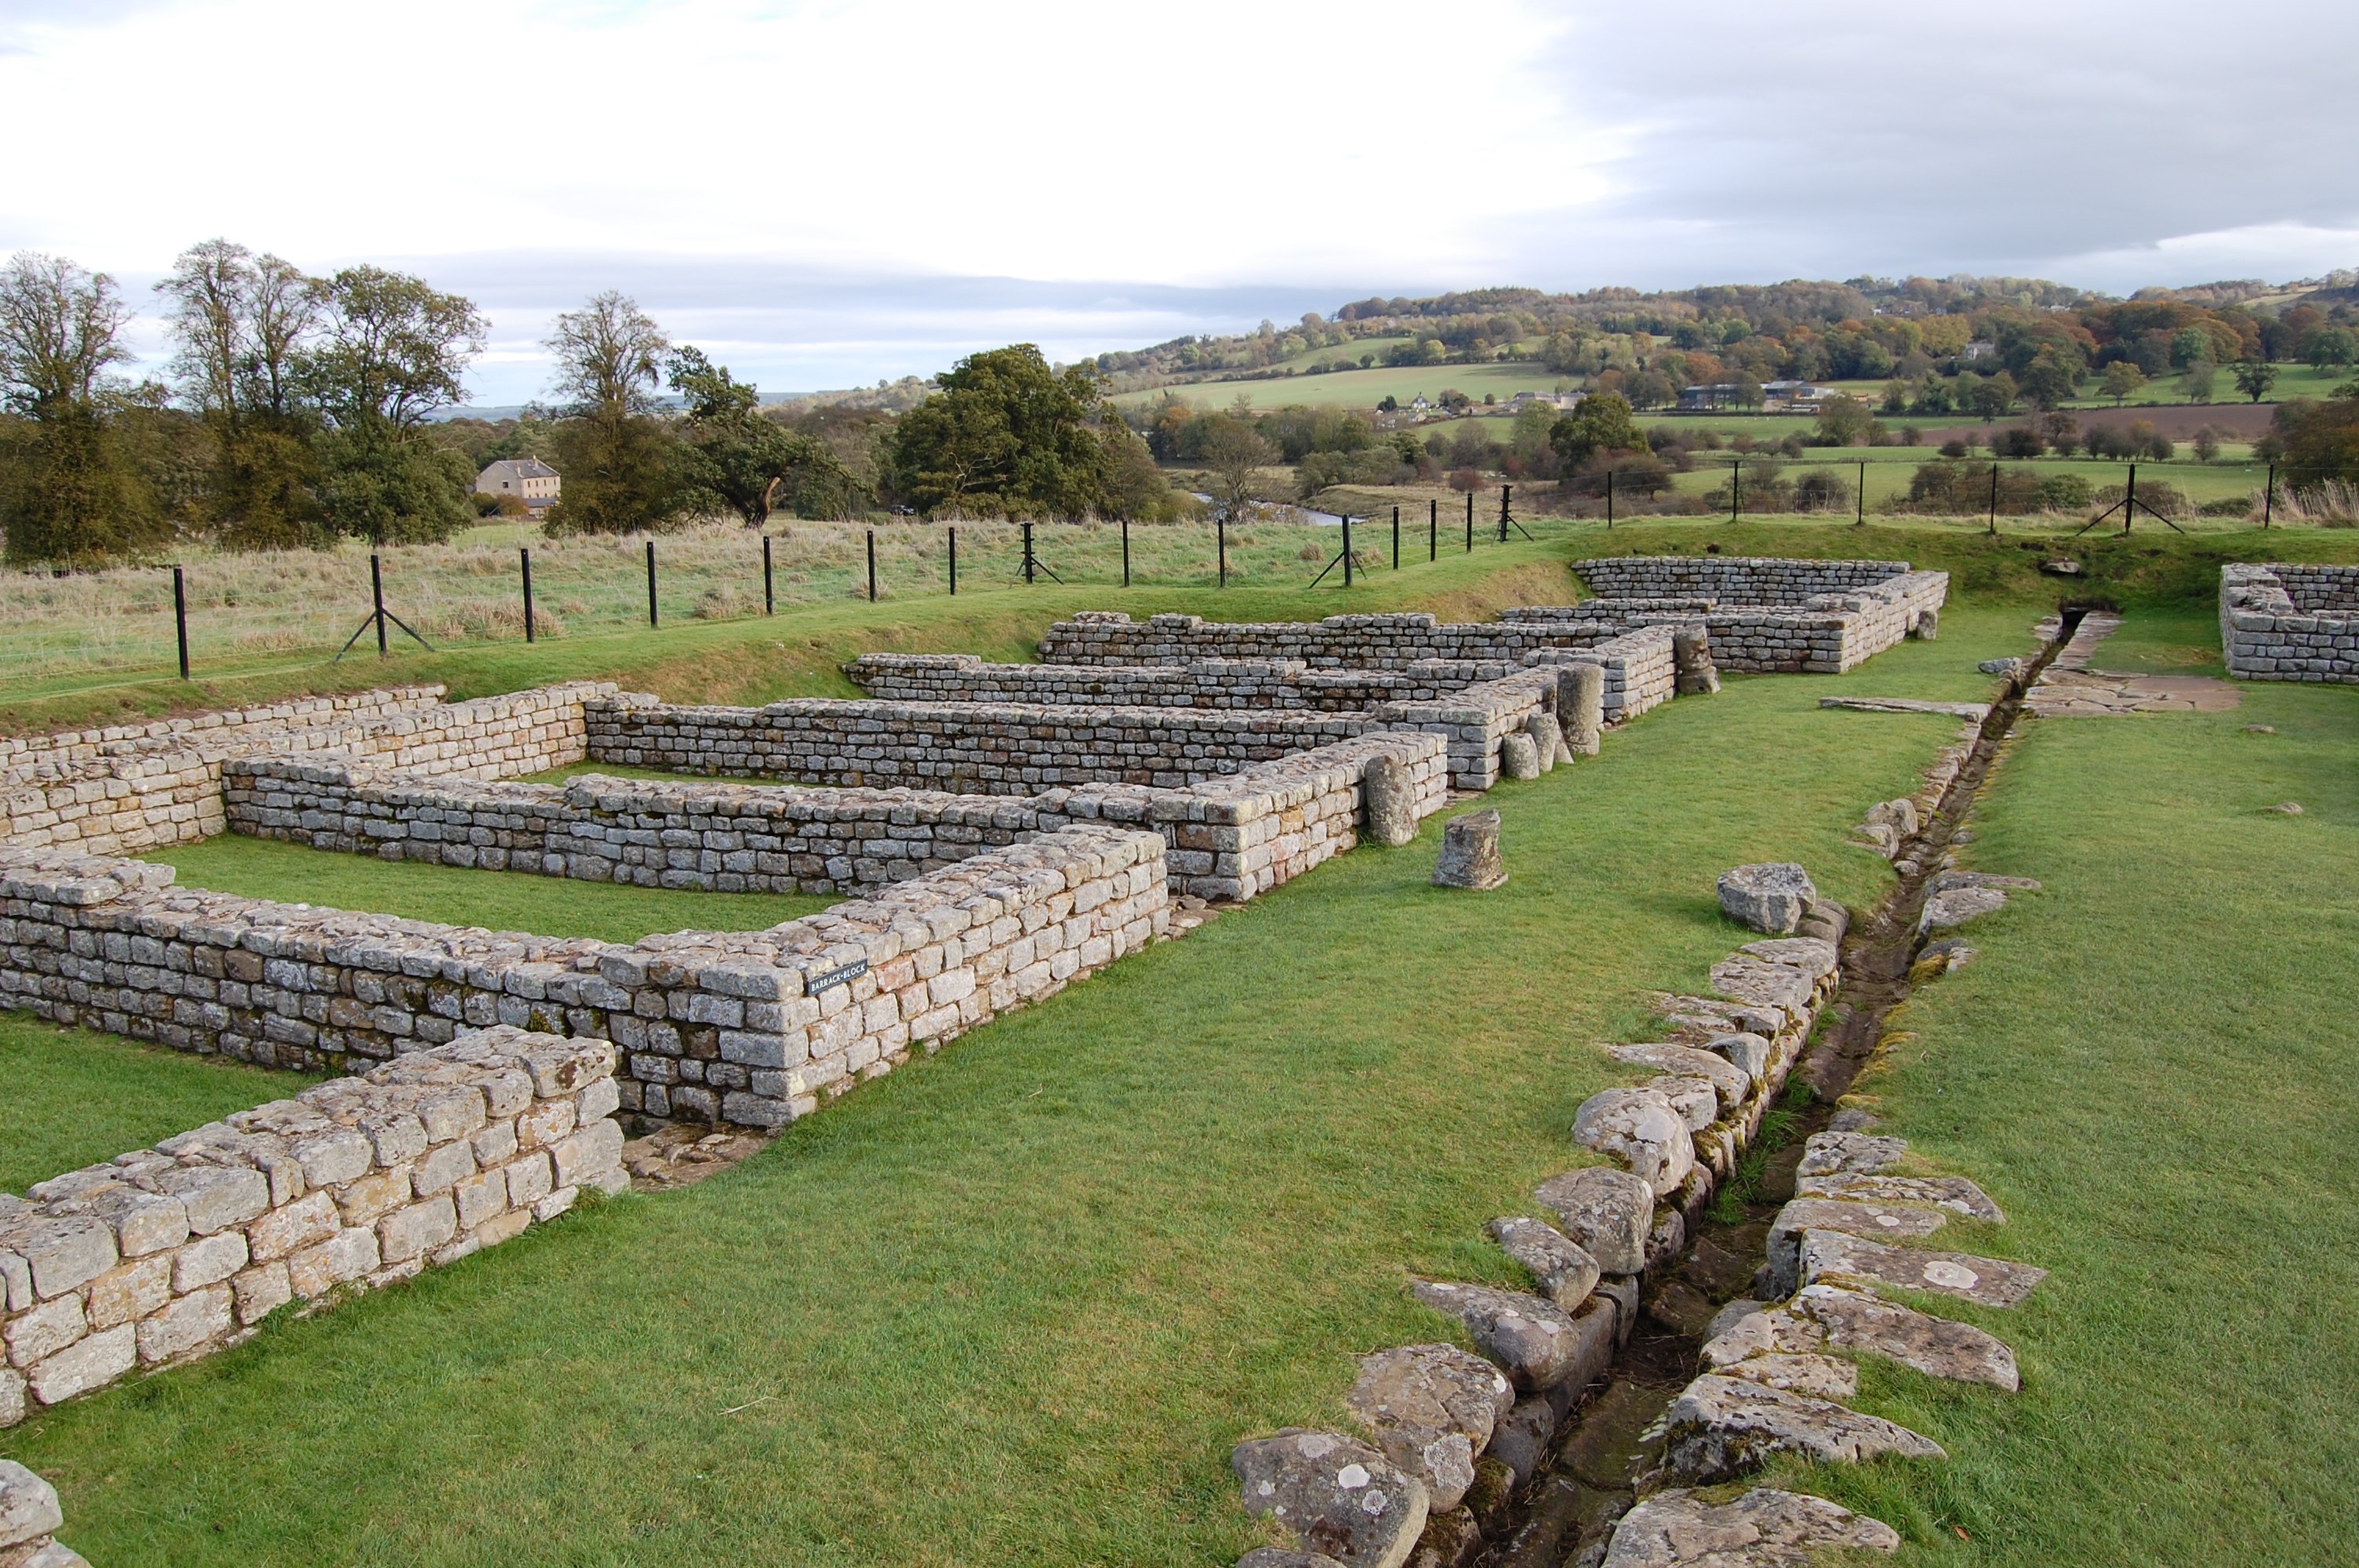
point(619, 468)
point(1235, 455)
point(59, 328)
point(610, 357)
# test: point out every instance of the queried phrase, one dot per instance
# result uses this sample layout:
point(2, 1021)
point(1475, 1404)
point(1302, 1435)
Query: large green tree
point(1600, 422)
point(620, 464)
point(239, 321)
point(390, 353)
point(69, 493)
point(1006, 436)
point(735, 458)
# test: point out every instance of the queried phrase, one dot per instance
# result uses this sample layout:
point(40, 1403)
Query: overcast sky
point(823, 194)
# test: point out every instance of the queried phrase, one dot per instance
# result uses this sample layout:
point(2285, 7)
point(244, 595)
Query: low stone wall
point(970, 747)
point(752, 1027)
point(1639, 667)
point(1818, 633)
point(162, 783)
point(1388, 642)
point(729, 837)
point(1207, 683)
point(167, 1254)
point(2288, 623)
point(1730, 579)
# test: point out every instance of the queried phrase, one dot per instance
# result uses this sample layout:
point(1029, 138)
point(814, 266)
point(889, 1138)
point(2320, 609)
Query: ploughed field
point(1014, 1303)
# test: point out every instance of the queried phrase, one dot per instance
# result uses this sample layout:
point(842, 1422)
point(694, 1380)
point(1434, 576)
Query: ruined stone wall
point(1638, 666)
point(162, 785)
point(968, 748)
point(1231, 837)
point(1207, 683)
point(1823, 634)
point(752, 1027)
point(1388, 642)
point(167, 1254)
point(1729, 579)
point(2296, 624)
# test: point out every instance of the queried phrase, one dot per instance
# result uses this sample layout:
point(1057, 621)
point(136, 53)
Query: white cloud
point(832, 191)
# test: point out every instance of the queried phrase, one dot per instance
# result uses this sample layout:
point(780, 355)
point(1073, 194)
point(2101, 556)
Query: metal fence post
point(1396, 538)
point(1432, 529)
point(1126, 552)
point(1221, 531)
point(2269, 504)
point(953, 561)
point(1736, 485)
point(1609, 499)
point(871, 565)
point(1027, 550)
point(1347, 549)
point(1862, 517)
point(651, 583)
point(769, 593)
point(376, 598)
point(1470, 522)
point(524, 554)
point(180, 619)
point(1994, 505)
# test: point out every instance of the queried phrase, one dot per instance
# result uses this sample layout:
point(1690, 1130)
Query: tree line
point(298, 411)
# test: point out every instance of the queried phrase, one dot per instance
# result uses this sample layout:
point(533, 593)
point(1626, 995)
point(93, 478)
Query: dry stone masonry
point(2289, 623)
point(29, 1520)
point(166, 1254)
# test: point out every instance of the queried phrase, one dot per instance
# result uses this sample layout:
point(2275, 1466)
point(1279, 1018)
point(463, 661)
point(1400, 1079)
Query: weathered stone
point(1641, 1128)
point(1767, 898)
point(1730, 1314)
point(1936, 1346)
point(1824, 919)
point(1614, 1442)
point(1694, 1100)
point(216, 1196)
point(1560, 1266)
point(1855, 1118)
point(1452, 1540)
point(1990, 1281)
point(1763, 1529)
point(1607, 1212)
point(85, 1365)
point(1533, 1341)
point(1730, 1082)
point(1581, 707)
point(189, 1324)
point(1339, 1497)
point(1389, 800)
point(1519, 757)
point(1691, 661)
point(1956, 1193)
point(1777, 986)
point(1881, 1222)
point(1814, 956)
point(1432, 1408)
point(1824, 1153)
point(1279, 1557)
point(1720, 1427)
point(28, 1506)
point(46, 1329)
point(1813, 1376)
point(1765, 1330)
point(1956, 907)
point(1470, 853)
point(1522, 1437)
point(1548, 739)
point(1749, 1053)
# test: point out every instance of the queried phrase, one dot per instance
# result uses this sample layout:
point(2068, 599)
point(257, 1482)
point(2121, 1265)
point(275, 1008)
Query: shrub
point(1823, 490)
point(2064, 492)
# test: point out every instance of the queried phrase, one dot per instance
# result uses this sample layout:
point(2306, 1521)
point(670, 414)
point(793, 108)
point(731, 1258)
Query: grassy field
point(75, 1097)
point(1014, 1305)
point(456, 895)
point(1361, 388)
point(2146, 1068)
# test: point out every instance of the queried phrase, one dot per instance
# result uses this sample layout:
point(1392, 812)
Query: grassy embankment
point(1014, 1305)
point(2146, 1067)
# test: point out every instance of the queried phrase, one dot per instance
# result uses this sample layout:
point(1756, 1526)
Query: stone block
point(187, 1325)
point(87, 1364)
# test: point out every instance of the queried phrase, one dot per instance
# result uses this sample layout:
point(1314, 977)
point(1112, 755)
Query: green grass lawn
point(457, 895)
point(70, 1097)
point(1014, 1303)
point(2148, 1067)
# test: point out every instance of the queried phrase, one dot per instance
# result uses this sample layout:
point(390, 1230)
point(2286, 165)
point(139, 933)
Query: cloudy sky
point(825, 193)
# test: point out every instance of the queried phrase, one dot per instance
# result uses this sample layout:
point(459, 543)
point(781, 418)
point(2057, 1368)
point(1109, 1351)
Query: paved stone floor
point(2069, 688)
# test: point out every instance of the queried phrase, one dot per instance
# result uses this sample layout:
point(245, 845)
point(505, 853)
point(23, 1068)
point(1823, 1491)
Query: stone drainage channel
point(1564, 1517)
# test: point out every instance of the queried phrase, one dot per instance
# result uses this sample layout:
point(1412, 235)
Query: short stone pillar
point(1928, 628)
point(1389, 802)
point(1518, 757)
point(1581, 707)
point(1548, 740)
point(1470, 853)
point(1692, 659)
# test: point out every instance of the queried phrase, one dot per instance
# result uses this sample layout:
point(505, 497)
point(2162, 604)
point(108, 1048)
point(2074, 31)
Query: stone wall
point(2287, 623)
point(1207, 683)
point(971, 748)
point(1729, 579)
point(730, 837)
point(752, 1027)
point(113, 791)
point(1388, 642)
point(1825, 633)
point(167, 1254)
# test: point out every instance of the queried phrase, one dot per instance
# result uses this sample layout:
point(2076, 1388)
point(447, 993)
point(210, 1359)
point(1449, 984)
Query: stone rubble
point(1338, 1495)
point(1432, 1408)
point(1470, 853)
point(1562, 1268)
point(1763, 1529)
point(1767, 898)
